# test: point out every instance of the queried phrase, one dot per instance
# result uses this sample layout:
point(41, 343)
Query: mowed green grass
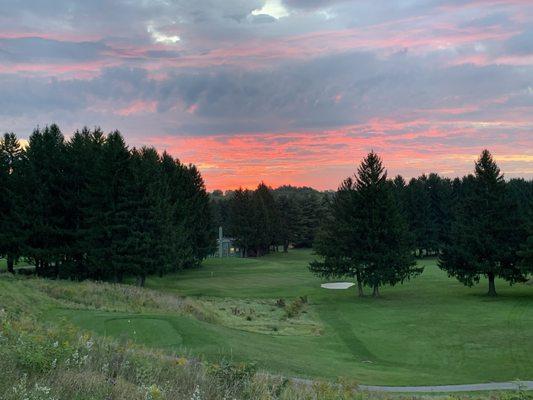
point(3, 264)
point(431, 330)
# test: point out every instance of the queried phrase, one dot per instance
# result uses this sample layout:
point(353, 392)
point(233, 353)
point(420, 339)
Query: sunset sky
point(285, 91)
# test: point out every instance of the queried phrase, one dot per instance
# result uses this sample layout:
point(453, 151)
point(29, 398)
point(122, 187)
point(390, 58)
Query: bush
point(294, 308)
point(280, 303)
point(233, 377)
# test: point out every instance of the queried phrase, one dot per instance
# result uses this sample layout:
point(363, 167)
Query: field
point(429, 331)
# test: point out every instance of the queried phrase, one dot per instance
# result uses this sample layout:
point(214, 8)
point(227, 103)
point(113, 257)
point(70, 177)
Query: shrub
point(280, 303)
point(294, 308)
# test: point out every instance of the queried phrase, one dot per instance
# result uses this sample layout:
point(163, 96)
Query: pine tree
point(241, 226)
point(82, 150)
point(11, 234)
point(288, 225)
point(200, 222)
point(109, 211)
point(266, 220)
point(43, 180)
point(336, 238)
point(367, 233)
point(440, 196)
point(419, 215)
point(486, 233)
point(525, 255)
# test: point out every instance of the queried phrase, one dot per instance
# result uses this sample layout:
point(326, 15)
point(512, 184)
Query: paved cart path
point(522, 385)
point(475, 387)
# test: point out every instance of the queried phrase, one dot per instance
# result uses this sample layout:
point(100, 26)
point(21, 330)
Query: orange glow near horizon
point(323, 159)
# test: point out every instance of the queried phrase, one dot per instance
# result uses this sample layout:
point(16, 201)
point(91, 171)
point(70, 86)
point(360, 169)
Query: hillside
point(214, 331)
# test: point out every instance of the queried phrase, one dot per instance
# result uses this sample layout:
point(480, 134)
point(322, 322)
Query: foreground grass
point(429, 331)
point(41, 361)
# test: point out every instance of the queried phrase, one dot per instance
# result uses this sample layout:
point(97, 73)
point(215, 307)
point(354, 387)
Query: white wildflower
point(42, 389)
point(196, 395)
point(105, 368)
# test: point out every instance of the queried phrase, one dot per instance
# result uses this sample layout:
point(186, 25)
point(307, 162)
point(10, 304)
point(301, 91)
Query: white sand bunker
point(337, 285)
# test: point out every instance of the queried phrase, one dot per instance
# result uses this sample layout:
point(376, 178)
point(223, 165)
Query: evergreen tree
point(486, 233)
point(440, 196)
point(199, 220)
point(109, 211)
point(91, 208)
point(241, 213)
point(400, 194)
point(419, 215)
point(289, 217)
point(525, 255)
point(520, 193)
point(82, 150)
point(367, 231)
point(266, 219)
point(310, 213)
point(337, 237)
point(43, 180)
point(144, 242)
point(11, 234)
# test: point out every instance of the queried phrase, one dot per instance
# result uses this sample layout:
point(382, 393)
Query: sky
point(281, 91)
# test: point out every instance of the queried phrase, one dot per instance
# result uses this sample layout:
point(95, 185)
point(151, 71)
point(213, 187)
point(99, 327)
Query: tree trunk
point(285, 247)
point(140, 280)
point(492, 286)
point(360, 289)
point(375, 293)
point(359, 285)
point(10, 263)
point(38, 267)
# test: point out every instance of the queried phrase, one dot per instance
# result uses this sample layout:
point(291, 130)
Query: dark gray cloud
point(209, 68)
point(322, 93)
point(311, 4)
point(36, 49)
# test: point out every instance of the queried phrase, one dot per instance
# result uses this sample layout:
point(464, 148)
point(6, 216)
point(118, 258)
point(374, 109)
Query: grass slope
point(431, 330)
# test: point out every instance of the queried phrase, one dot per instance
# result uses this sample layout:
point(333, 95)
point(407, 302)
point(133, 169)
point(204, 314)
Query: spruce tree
point(367, 232)
point(486, 233)
point(82, 152)
point(109, 211)
point(525, 255)
point(43, 180)
point(419, 216)
point(336, 238)
point(11, 232)
point(241, 226)
point(200, 221)
point(288, 226)
point(266, 219)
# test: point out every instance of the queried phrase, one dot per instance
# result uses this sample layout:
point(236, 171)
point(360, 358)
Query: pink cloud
point(137, 107)
point(323, 158)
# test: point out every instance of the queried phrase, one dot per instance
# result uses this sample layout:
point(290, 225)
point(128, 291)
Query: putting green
point(145, 330)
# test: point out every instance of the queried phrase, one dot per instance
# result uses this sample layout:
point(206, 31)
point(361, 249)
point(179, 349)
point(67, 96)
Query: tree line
point(478, 226)
point(91, 207)
point(266, 219)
